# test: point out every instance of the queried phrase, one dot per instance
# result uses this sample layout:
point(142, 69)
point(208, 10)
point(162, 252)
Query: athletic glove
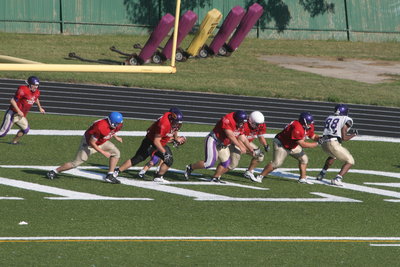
point(257, 152)
point(175, 143)
point(266, 148)
point(354, 131)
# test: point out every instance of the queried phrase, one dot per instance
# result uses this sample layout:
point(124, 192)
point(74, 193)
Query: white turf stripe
point(296, 238)
point(187, 134)
point(384, 245)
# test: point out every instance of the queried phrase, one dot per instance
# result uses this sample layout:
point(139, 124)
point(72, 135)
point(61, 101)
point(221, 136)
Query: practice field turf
point(79, 220)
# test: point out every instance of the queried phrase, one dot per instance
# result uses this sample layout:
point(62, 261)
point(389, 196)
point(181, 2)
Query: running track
point(205, 108)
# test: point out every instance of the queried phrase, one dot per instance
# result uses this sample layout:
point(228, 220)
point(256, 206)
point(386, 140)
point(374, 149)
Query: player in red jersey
point(161, 132)
point(291, 141)
point(20, 105)
point(97, 139)
point(254, 128)
point(228, 131)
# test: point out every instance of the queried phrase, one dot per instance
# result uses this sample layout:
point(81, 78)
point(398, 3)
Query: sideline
point(188, 134)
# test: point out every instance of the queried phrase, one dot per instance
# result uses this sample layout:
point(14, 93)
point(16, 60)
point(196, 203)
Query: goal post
point(39, 67)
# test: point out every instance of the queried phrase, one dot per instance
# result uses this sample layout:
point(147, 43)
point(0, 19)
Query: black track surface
point(149, 104)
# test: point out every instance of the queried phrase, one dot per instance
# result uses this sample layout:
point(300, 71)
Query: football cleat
point(217, 180)
point(249, 175)
point(116, 172)
point(188, 171)
point(109, 178)
point(141, 174)
point(321, 176)
point(51, 175)
point(304, 181)
point(257, 179)
point(160, 179)
point(337, 181)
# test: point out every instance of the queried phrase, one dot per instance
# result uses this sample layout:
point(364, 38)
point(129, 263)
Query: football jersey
point(163, 127)
point(25, 98)
point(293, 132)
point(101, 131)
point(251, 133)
point(229, 123)
point(334, 124)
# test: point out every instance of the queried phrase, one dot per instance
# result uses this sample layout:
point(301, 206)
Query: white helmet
point(256, 118)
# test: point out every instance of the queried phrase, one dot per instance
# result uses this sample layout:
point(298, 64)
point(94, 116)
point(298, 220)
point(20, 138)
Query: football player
point(158, 135)
point(255, 127)
point(228, 131)
point(336, 131)
point(20, 105)
point(97, 139)
point(291, 141)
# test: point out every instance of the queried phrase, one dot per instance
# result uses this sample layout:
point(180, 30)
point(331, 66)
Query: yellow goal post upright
point(38, 67)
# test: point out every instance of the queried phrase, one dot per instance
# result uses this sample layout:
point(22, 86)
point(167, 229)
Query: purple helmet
point(33, 80)
point(240, 116)
point(341, 109)
point(306, 119)
point(176, 117)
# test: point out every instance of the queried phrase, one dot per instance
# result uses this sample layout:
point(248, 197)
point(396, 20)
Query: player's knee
point(25, 131)
point(76, 163)
point(136, 159)
point(226, 164)
point(303, 159)
point(350, 161)
point(115, 153)
point(233, 165)
point(169, 161)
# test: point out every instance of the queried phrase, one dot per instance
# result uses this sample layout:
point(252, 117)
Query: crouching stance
point(96, 139)
point(227, 132)
point(254, 128)
point(155, 143)
point(291, 141)
point(336, 131)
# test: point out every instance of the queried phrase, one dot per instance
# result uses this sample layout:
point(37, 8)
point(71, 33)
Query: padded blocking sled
point(207, 26)
point(228, 26)
point(186, 23)
point(163, 28)
point(253, 13)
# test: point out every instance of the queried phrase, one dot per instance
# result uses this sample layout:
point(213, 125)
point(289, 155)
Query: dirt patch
point(367, 71)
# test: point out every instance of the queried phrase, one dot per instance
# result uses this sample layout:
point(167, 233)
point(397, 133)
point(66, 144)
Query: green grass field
point(297, 225)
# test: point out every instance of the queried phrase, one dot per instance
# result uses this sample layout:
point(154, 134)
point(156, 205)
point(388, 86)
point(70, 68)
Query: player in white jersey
point(336, 131)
